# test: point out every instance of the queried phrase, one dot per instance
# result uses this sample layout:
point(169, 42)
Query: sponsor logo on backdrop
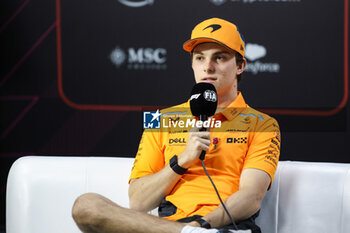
point(118, 56)
point(139, 58)
point(136, 3)
point(254, 52)
point(276, 1)
point(220, 2)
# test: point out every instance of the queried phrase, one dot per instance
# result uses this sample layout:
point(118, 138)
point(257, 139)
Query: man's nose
point(209, 66)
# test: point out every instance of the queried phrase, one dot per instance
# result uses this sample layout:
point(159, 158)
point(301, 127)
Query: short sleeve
point(149, 158)
point(264, 148)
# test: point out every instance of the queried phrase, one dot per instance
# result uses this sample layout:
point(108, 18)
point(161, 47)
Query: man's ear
point(242, 66)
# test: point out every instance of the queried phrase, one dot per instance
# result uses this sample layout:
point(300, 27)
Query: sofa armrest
point(41, 190)
point(307, 197)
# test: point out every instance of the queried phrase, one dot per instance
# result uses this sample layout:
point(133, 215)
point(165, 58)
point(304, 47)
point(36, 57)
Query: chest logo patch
point(237, 140)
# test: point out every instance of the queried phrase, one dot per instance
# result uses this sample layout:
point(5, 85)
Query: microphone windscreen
point(203, 100)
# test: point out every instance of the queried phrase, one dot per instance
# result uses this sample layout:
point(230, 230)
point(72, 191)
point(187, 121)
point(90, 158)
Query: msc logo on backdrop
point(253, 52)
point(140, 58)
point(136, 3)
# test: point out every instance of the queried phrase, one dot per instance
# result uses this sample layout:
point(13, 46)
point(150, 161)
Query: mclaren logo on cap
point(214, 26)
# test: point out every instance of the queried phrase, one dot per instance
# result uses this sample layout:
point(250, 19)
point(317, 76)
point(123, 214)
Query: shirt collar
point(236, 106)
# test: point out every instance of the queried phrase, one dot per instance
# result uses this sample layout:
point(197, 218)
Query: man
point(241, 156)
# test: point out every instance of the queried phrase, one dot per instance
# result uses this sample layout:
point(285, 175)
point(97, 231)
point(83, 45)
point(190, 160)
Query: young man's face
point(216, 64)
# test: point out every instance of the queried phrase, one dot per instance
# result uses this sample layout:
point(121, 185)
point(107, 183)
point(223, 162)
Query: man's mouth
point(208, 79)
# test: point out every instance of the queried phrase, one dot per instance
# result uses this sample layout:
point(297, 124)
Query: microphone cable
point(217, 193)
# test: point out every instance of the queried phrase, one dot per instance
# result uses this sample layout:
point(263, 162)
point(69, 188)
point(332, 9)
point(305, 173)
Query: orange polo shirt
point(246, 138)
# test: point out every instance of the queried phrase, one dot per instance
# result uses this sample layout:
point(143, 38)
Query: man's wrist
point(176, 167)
point(194, 224)
point(182, 161)
point(203, 223)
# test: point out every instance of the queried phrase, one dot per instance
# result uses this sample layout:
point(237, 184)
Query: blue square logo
point(151, 120)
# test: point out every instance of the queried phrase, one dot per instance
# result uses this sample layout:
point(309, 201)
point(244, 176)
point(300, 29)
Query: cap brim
point(191, 44)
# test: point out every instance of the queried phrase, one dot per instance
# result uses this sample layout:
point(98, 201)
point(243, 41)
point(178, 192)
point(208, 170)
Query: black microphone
point(203, 103)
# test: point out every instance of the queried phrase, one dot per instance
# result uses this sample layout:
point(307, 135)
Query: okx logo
point(151, 120)
point(237, 140)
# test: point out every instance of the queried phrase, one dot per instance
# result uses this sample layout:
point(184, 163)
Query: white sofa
point(305, 197)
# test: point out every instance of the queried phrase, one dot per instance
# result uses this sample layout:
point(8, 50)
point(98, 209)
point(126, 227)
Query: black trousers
point(166, 209)
point(248, 224)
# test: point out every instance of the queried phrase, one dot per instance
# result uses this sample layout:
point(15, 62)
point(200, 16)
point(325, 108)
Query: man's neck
point(226, 100)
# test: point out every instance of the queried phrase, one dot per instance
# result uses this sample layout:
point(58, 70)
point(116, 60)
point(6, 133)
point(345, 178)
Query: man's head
point(217, 52)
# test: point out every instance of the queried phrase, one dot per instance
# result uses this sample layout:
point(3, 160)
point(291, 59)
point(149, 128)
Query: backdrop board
point(75, 76)
point(129, 53)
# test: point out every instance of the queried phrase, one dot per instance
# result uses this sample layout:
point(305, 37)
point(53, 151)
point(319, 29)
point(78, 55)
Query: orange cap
point(218, 31)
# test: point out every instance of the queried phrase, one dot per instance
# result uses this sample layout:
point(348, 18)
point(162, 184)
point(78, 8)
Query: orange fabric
point(218, 31)
point(246, 139)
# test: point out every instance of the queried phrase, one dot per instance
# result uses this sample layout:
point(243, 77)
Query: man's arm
point(147, 192)
point(243, 203)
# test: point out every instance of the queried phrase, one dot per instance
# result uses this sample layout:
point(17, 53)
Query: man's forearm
point(147, 192)
point(245, 202)
point(241, 206)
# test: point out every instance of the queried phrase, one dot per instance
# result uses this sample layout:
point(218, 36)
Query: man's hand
point(197, 141)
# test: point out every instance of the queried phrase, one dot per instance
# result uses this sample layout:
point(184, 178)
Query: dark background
point(62, 94)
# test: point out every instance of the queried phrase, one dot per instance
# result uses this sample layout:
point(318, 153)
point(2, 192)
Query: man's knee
point(85, 209)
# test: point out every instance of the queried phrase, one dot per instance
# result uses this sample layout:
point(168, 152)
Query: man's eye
point(199, 58)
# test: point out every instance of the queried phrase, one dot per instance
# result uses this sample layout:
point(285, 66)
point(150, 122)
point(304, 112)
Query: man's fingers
point(197, 129)
point(194, 129)
point(200, 134)
point(201, 144)
point(205, 141)
point(204, 147)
